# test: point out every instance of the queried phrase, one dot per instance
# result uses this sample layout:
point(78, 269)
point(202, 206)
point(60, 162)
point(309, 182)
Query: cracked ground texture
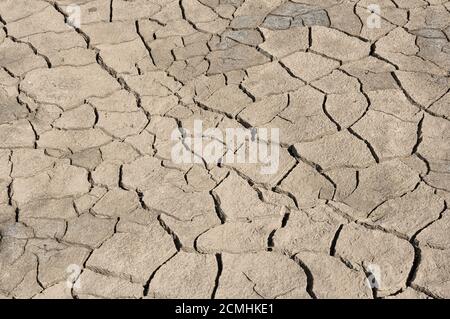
point(86, 176)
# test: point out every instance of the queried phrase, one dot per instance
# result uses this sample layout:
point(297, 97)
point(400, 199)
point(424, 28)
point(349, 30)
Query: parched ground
point(89, 192)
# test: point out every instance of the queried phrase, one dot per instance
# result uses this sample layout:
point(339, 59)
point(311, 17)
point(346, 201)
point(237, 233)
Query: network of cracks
point(93, 206)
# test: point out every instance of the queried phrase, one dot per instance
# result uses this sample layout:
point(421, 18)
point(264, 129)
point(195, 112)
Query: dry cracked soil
point(92, 204)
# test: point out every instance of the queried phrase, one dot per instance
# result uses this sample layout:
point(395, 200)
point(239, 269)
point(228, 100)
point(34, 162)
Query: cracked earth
point(89, 193)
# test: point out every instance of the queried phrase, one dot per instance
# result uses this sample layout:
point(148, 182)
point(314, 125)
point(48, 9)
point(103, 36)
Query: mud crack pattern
point(87, 180)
